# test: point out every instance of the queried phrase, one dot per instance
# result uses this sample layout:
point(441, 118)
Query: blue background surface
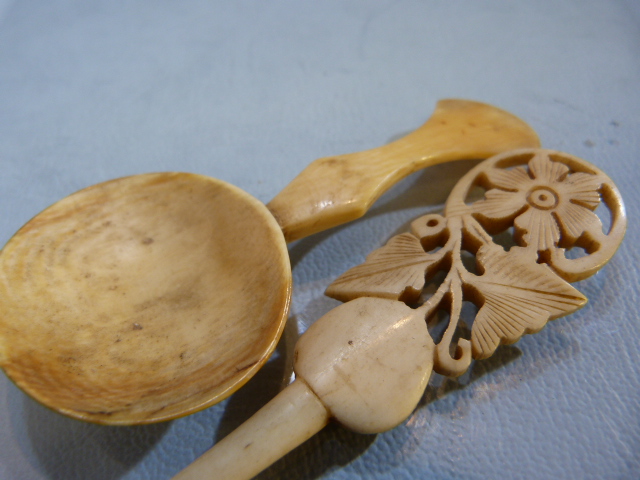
point(250, 92)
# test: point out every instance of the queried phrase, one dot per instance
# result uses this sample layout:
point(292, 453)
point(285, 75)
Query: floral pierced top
point(549, 199)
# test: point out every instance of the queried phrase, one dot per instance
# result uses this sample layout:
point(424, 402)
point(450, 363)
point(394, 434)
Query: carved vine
point(543, 201)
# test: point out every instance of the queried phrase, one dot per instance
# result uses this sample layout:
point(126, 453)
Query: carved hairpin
point(544, 201)
point(366, 363)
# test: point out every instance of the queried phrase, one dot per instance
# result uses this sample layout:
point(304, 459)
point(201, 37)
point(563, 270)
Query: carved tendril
point(548, 198)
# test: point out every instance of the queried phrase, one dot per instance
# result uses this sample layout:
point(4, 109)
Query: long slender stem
point(292, 417)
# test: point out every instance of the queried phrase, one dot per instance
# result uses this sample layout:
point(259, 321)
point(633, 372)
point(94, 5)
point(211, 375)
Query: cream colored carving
point(396, 271)
point(365, 363)
point(549, 199)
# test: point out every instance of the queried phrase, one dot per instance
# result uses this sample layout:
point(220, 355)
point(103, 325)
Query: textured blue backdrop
point(250, 92)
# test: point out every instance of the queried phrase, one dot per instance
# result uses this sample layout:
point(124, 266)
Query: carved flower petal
point(543, 169)
point(537, 229)
point(575, 219)
point(582, 188)
point(508, 179)
point(499, 205)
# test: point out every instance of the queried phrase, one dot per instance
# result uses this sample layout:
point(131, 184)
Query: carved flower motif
point(549, 201)
point(551, 206)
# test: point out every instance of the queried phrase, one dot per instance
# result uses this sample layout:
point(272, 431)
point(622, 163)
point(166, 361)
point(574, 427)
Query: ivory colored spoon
point(151, 297)
point(366, 363)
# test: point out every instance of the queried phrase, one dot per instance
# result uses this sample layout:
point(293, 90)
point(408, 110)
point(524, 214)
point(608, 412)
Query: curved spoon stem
point(335, 190)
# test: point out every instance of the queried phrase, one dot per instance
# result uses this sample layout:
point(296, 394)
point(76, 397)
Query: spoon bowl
point(133, 321)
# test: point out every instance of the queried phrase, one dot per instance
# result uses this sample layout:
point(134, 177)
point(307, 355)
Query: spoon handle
point(289, 419)
point(335, 190)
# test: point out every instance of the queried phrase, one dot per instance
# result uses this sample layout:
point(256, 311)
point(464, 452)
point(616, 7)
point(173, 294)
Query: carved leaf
point(518, 297)
point(395, 271)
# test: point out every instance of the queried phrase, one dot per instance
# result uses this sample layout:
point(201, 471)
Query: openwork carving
point(544, 203)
